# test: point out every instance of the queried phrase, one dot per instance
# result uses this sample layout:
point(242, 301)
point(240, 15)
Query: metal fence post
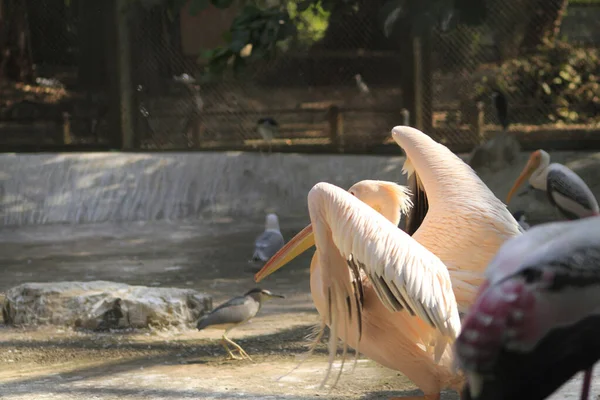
point(480, 121)
point(122, 12)
point(336, 128)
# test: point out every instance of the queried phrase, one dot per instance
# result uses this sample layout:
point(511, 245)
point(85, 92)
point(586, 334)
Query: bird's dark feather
point(359, 295)
point(558, 182)
point(577, 268)
point(420, 205)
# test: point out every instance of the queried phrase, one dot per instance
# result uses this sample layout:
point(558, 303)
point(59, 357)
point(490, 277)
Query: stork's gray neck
point(539, 176)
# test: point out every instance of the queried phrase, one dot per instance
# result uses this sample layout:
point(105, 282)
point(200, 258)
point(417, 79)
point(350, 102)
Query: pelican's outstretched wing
point(405, 275)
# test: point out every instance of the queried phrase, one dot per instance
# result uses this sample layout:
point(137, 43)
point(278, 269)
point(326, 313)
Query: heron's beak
point(525, 174)
point(292, 249)
point(277, 295)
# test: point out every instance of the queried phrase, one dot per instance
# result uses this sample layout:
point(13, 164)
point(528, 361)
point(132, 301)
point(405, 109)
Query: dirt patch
point(54, 363)
point(62, 363)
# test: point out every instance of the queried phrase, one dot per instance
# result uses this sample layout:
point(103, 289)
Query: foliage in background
point(459, 48)
point(311, 22)
point(253, 35)
point(561, 77)
point(258, 30)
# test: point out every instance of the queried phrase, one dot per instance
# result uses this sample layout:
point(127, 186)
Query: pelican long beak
point(292, 249)
point(529, 169)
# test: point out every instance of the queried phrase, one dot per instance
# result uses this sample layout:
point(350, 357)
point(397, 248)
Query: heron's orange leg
point(231, 355)
point(237, 347)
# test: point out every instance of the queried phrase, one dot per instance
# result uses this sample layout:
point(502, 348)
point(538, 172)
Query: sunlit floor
point(54, 363)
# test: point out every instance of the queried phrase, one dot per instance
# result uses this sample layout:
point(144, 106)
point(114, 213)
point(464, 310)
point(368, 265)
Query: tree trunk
point(546, 19)
point(15, 52)
point(94, 20)
point(152, 54)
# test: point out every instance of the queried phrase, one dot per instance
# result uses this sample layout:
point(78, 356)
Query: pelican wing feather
point(405, 275)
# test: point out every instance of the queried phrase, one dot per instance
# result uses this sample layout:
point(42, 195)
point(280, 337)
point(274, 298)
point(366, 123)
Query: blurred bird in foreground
point(521, 219)
point(536, 321)
point(565, 189)
point(267, 128)
point(234, 313)
point(269, 242)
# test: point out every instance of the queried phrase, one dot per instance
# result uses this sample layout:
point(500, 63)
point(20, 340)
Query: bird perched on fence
point(269, 242)
point(535, 322)
point(362, 86)
point(267, 128)
point(521, 219)
point(234, 313)
point(501, 106)
point(566, 190)
point(405, 117)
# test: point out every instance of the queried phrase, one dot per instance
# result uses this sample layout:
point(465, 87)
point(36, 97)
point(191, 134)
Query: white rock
point(102, 305)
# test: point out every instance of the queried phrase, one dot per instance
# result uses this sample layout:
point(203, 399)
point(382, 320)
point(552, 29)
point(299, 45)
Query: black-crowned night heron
point(501, 106)
point(234, 313)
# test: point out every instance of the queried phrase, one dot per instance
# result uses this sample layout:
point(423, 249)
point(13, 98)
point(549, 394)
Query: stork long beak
point(529, 169)
point(292, 249)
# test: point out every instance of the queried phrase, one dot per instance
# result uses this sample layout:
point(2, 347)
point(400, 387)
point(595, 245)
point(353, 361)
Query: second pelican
point(398, 301)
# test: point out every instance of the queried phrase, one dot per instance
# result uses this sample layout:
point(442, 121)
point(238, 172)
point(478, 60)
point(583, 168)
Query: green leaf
point(239, 39)
point(198, 5)
point(227, 36)
point(221, 3)
point(206, 53)
point(565, 75)
point(546, 88)
point(304, 5)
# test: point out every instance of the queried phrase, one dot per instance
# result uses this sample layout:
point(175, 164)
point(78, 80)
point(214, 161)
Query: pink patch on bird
point(496, 317)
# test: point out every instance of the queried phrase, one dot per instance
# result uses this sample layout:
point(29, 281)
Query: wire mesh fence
point(538, 57)
point(339, 83)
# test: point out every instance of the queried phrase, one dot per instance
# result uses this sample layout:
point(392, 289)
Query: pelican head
point(387, 198)
point(538, 158)
point(272, 222)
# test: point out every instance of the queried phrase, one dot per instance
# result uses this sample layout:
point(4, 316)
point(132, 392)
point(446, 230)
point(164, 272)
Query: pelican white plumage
point(536, 320)
point(566, 190)
point(270, 241)
point(409, 292)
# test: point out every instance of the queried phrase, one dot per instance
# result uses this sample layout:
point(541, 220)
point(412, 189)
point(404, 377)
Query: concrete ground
point(58, 363)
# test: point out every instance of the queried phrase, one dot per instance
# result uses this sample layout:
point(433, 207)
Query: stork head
point(539, 159)
point(387, 198)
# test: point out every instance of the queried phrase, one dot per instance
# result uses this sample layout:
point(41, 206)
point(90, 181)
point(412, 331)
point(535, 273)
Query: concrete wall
point(99, 187)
